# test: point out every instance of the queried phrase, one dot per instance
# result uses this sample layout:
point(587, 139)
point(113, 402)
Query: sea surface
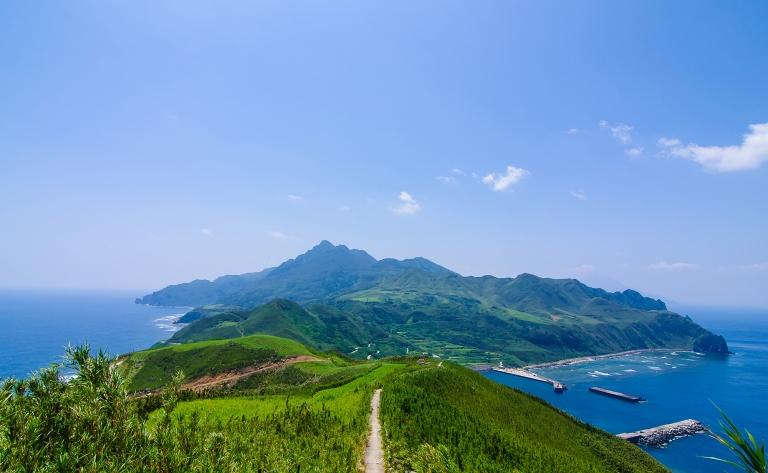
point(35, 326)
point(678, 386)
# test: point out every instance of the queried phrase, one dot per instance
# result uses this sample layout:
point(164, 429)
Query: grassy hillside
point(307, 417)
point(519, 320)
point(462, 326)
point(321, 327)
point(153, 369)
point(458, 420)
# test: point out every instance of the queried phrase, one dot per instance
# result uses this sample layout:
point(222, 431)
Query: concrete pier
point(559, 387)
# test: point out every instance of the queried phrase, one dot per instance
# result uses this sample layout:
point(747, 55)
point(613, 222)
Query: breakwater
point(659, 437)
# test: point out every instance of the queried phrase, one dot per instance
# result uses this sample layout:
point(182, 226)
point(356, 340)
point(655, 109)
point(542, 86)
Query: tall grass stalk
point(750, 457)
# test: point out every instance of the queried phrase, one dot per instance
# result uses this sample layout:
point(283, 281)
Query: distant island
point(332, 297)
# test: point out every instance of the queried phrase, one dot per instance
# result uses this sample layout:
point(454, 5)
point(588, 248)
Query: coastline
point(584, 359)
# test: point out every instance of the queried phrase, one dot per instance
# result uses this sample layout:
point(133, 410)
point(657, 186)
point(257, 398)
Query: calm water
point(35, 326)
point(677, 386)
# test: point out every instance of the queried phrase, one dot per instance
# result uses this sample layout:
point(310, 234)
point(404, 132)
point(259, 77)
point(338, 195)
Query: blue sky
point(622, 143)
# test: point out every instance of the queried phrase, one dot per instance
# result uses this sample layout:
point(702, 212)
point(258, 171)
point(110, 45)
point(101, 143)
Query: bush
point(90, 424)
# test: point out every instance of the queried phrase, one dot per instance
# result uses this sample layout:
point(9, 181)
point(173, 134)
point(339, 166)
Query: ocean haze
point(148, 145)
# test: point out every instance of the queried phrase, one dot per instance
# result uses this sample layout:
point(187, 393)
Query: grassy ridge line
point(450, 419)
point(153, 369)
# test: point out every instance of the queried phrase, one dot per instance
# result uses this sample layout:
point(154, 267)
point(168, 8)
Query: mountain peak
point(323, 259)
point(324, 245)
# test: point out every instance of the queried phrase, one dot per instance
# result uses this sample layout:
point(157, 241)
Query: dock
point(559, 387)
point(660, 436)
point(616, 394)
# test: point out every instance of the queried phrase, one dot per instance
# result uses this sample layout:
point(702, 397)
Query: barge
point(616, 394)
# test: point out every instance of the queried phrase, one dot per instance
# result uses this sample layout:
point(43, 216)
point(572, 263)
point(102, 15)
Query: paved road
point(374, 455)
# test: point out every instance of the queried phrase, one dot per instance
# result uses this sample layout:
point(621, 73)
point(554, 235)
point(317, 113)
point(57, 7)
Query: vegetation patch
point(154, 369)
point(461, 421)
point(437, 417)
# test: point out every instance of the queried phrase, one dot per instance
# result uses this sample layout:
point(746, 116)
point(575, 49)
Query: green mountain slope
point(362, 306)
point(435, 417)
point(454, 418)
point(201, 291)
point(153, 369)
point(518, 320)
point(324, 270)
point(318, 326)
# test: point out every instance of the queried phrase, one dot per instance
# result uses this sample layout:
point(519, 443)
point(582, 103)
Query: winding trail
point(374, 454)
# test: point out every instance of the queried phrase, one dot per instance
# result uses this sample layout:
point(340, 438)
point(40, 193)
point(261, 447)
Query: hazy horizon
point(143, 145)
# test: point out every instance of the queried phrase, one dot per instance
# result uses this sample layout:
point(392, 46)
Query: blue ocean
point(36, 325)
point(677, 385)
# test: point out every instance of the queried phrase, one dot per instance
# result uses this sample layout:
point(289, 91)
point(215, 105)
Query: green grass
point(343, 401)
point(435, 419)
point(463, 421)
point(153, 369)
point(536, 319)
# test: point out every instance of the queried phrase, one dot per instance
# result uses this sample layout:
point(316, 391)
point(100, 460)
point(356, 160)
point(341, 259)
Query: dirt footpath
point(374, 454)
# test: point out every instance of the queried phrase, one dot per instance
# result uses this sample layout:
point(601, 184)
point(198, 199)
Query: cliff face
point(711, 343)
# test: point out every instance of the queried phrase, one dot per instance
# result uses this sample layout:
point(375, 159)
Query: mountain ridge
point(334, 297)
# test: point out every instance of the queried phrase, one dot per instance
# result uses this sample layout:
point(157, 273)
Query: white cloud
point(585, 268)
point(752, 152)
point(295, 198)
point(281, 236)
point(755, 267)
point(667, 142)
point(408, 207)
point(343, 208)
point(205, 231)
point(500, 182)
point(620, 132)
point(664, 265)
point(572, 130)
point(447, 180)
point(459, 171)
point(579, 195)
point(634, 152)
